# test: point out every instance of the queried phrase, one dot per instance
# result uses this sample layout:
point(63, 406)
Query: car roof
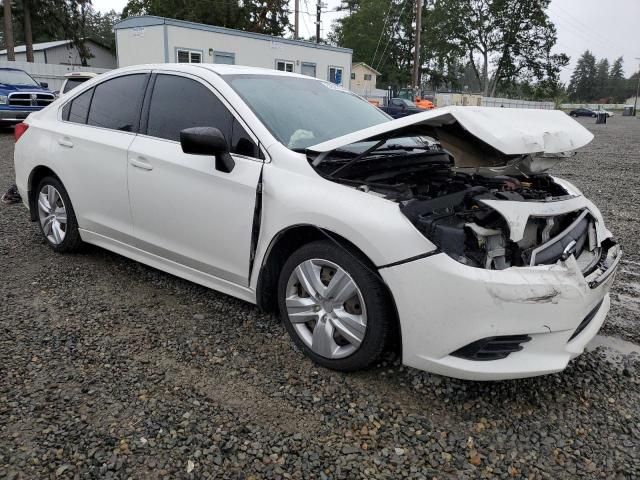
point(220, 69)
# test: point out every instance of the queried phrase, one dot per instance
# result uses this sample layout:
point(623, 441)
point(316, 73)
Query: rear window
point(73, 83)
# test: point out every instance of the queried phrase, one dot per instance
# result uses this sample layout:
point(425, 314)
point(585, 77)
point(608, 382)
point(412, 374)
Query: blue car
point(20, 95)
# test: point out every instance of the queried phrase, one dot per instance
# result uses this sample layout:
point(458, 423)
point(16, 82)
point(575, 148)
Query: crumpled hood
point(511, 131)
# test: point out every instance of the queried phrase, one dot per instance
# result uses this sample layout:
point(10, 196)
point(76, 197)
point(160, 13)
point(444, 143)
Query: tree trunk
point(8, 31)
point(485, 73)
point(28, 35)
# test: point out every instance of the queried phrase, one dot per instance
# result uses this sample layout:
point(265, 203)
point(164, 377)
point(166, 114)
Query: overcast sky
point(609, 28)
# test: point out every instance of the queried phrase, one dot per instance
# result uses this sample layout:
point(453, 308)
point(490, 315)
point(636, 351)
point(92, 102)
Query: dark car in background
point(582, 112)
point(400, 107)
point(20, 95)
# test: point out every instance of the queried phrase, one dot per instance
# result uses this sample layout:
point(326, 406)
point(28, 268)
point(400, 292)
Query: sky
point(609, 28)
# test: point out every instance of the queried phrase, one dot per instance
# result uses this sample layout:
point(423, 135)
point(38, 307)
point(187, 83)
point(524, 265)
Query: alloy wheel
point(326, 308)
point(52, 213)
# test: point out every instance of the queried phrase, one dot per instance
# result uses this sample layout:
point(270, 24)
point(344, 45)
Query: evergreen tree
point(583, 79)
point(602, 80)
point(617, 82)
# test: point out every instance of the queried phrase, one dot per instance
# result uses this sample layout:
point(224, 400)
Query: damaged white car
point(439, 232)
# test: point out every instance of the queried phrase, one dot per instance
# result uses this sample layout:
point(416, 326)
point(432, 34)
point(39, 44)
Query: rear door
point(91, 145)
point(184, 209)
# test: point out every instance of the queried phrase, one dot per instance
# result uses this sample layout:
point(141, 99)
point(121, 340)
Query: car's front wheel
point(335, 306)
point(56, 216)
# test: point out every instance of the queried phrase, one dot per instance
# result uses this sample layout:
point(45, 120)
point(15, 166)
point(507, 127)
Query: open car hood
point(479, 137)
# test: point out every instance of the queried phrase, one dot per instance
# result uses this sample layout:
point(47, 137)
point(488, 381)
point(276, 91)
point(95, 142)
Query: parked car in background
point(73, 79)
point(582, 112)
point(400, 107)
point(607, 112)
point(21, 95)
point(441, 232)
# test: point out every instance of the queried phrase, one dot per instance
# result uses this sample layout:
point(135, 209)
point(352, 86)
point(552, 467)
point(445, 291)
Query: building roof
point(358, 64)
point(46, 46)
point(152, 20)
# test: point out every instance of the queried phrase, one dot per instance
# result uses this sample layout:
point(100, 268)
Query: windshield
point(302, 112)
point(16, 77)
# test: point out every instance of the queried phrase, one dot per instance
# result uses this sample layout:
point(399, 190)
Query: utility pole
point(296, 21)
point(416, 55)
point(318, 12)
point(635, 102)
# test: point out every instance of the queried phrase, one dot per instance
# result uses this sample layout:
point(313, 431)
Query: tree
point(383, 41)
point(582, 86)
point(262, 16)
point(602, 80)
point(28, 33)
point(503, 40)
point(617, 81)
point(8, 31)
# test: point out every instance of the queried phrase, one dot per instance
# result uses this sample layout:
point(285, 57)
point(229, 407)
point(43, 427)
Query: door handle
point(65, 142)
point(141, 163)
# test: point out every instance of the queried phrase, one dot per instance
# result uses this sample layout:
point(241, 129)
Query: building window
point(284, 66)
point(353, 76)
point(308, 69)
point(188, 56)
point(367, 76)
point(224, 57)
point(335, 75)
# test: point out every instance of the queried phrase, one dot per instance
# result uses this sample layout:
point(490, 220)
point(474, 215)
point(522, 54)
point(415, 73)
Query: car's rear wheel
point(334, 306)
point(56, 217)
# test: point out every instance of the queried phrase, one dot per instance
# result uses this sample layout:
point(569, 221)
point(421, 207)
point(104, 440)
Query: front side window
point(300, 112)
point(188, 56)
point(335, 75)
point(178, 103)
point(116, 103)
point(284, 66)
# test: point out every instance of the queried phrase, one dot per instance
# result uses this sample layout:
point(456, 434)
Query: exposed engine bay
point(445, 202)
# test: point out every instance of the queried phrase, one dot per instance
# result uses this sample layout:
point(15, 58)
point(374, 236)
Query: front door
point(184, 209)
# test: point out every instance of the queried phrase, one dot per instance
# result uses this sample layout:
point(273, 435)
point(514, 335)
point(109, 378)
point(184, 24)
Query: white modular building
point(151, 39)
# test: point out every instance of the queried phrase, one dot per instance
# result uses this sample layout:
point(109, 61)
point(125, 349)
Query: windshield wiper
point(375, 146)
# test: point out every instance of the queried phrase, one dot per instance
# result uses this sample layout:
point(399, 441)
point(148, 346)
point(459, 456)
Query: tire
point(343, 343)
point(574, 115)
point(58, 225)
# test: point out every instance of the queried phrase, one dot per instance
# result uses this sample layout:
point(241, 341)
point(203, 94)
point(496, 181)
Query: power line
point(384, 28)
point(395, 27)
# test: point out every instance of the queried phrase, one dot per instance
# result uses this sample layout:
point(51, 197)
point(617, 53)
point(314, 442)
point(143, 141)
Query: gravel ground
point(110, 369)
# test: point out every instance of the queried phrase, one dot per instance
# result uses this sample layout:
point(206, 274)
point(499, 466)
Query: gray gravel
point(110, 369)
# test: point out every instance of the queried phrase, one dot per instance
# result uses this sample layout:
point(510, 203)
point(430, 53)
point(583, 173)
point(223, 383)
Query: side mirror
point(207, 141)
point(44, 84)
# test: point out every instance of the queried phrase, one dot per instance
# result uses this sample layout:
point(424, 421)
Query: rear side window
point(178, 103)
point(116, 103)
point(77, 110)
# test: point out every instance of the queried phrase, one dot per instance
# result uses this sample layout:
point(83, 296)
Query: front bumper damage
point(444, 306)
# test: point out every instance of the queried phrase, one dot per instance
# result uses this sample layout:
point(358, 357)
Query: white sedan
point(440, 232)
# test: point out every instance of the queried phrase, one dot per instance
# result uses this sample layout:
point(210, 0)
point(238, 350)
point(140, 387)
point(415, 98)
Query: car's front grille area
point(492, 348)
point(576, 238)
point(585, 322)
point(35, 99)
